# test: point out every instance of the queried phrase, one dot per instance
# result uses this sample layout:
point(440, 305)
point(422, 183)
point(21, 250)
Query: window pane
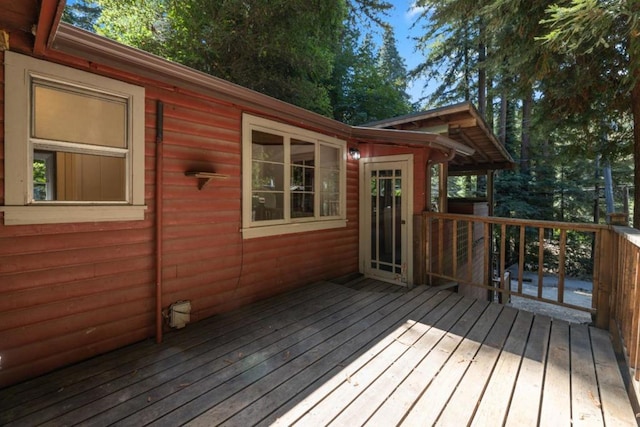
point(43, 175)
point(373, 184)
point(434, 202)
point(385, 218)
point(267, 147)
point(74, 116)
point(330, 193)
point(302, 178)
point(329, 181)
point(302, 152)
point(267, 176)
point(80, 177)
point(302, 204)
point(267, 206)
point(329, 157)
point(302, 165)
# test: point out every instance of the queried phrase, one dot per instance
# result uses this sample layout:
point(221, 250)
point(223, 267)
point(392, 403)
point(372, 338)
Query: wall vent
point(179, 314)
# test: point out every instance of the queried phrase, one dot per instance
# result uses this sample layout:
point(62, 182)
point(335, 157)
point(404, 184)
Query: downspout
point(451, 155)
point(159, 168)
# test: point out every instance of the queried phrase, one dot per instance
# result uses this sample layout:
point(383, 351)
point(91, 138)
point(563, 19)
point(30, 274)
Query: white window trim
point(252, 229)
point(18, 210)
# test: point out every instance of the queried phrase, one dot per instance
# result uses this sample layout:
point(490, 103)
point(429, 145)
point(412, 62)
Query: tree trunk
point(482, 75)
point(525, 147)
point(635, 109)
point(502, 126)
point(634, 69)
point(482, 82)
point(467, 68)
point(489, 103)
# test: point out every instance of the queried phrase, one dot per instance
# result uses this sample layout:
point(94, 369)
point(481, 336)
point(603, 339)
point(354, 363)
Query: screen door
point(386, 253)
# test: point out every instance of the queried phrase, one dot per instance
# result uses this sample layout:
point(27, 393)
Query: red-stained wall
point(71, 291)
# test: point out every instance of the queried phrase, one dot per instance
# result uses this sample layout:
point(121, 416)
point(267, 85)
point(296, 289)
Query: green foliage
point(305, 53)
point(82, 13)
point(368, 85)
point(575, 57)
point(450, 39)
point(599, 40)
point(282, 48)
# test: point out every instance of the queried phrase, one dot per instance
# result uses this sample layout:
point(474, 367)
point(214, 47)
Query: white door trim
point(365, 234)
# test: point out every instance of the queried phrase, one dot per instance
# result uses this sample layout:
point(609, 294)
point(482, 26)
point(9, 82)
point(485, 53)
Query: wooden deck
point(343, 355)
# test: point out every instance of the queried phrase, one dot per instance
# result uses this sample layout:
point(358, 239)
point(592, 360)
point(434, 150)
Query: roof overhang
point(463, 124)
point(411, 138)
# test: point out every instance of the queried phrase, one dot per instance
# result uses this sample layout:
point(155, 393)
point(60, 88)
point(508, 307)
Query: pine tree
point(600, 44)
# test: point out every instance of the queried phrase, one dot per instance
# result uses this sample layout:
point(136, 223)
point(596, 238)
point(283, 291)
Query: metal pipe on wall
point(159, 207)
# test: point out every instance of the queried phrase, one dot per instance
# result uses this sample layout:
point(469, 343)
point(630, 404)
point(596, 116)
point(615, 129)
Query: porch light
point(354, 153)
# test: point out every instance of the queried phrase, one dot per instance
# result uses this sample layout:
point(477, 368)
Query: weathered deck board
point(526, 397)
point(155, 398)
point(343, 388)
point(556, 401)
point(357, 332)
point(612, 392)
point(494, 403)
point(367, 400)
point(358, 367)
point(427, 409)
point(424, 355)
point(464, 401)
point(84, 376)
point(357, 354)
point(585, 402)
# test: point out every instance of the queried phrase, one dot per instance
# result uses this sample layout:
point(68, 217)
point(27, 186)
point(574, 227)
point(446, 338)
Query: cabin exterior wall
point(71, 291)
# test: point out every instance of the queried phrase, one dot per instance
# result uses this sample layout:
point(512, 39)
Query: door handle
point(403, 222)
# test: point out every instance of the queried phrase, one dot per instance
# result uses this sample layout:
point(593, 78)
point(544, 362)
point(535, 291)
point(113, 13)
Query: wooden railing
point(459, 248)
point(625, 301)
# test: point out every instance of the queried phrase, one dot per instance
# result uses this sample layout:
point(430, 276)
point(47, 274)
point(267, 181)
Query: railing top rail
point(576, 226)
point(628, 233)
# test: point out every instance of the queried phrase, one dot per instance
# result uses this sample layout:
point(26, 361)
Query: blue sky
point(402, 17)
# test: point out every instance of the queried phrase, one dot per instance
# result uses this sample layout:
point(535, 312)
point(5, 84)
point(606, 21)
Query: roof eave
point(423, 139)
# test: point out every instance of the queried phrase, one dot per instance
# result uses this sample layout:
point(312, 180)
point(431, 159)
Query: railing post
point(426, 241)
point(603, 278)
point(418, 254)
point(488, 273)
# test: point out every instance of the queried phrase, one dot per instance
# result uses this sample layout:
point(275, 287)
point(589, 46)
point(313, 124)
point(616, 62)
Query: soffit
point(465, 126)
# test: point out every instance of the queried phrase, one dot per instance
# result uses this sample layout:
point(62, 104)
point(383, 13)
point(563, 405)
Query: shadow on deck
point(355, 353)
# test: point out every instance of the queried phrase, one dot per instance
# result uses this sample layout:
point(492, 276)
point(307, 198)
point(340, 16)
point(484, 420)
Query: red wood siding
point(2, 133)
point(71, 291)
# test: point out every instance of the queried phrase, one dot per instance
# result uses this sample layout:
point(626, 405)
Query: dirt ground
point(576, 292)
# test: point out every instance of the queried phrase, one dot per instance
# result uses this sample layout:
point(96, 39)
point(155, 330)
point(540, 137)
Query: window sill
point(24, 215)
point(296, 227)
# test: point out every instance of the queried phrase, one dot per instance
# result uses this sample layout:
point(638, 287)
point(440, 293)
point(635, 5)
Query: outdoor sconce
point(354, 153)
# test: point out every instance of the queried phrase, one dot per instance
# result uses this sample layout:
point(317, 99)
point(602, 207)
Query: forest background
point(558, 82)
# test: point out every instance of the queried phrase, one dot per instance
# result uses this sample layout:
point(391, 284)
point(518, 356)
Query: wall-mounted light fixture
point(354, 153)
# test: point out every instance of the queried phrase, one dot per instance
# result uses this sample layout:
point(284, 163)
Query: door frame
point(365, 234)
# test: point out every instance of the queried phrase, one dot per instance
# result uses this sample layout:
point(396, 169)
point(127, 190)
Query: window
point(74, 145)
point(293, 180)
